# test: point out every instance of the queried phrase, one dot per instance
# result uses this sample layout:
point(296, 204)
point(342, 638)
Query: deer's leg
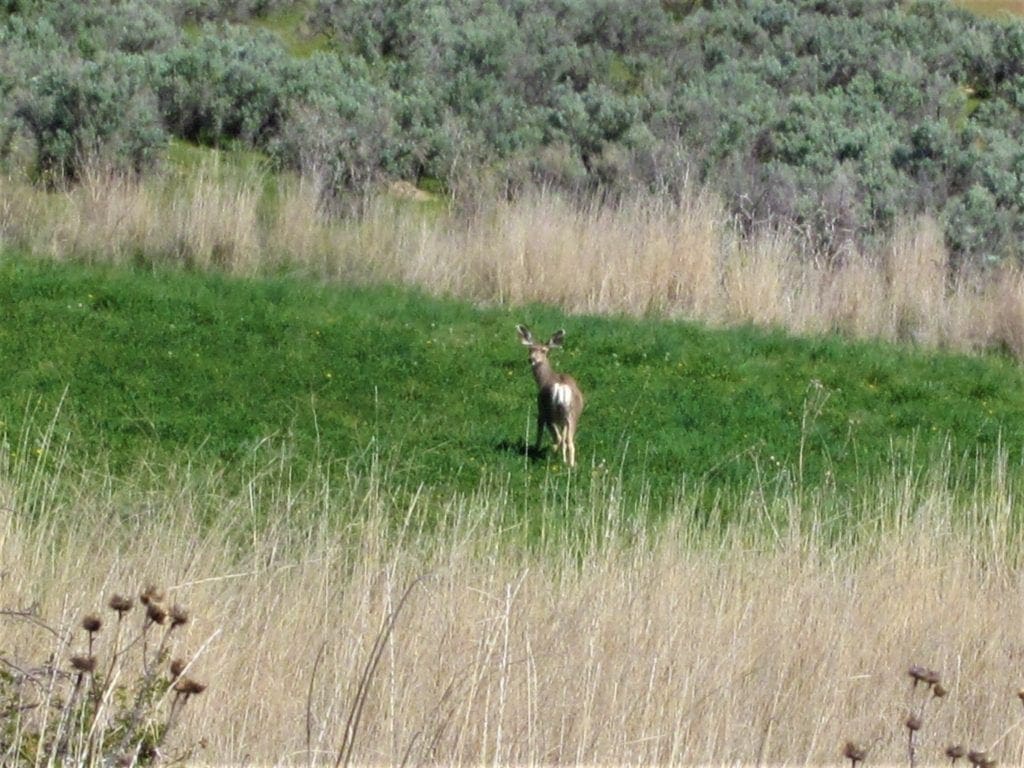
point(540, 431)
point(570, 440)
point(558, 435)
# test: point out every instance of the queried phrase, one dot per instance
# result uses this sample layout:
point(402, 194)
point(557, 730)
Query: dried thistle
point(939, 691)
point(919, 674)
point(155, 612)
point(980, 759)
point(92, 623)
point(83, 664)
point(120, 604)
point(189, 687)
point(854, 753)
point(177, 667)
point(151, 594)
point(913, 723)
point(179, 616)
point(955, 751)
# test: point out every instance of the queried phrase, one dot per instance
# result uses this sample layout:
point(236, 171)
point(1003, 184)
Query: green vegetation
point(172, 368)
point(834, 119)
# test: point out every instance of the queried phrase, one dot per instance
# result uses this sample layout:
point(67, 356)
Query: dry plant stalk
point(674, 257)
point(106, 705)
point(655, 649)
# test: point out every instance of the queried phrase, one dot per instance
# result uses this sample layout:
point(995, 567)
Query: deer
point(559, 399)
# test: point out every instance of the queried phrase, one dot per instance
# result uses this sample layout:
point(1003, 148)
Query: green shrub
point(82, 112)
point(864, 112)
point(225, 84)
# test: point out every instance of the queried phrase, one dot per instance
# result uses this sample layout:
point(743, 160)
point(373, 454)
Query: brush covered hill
point(834, 118)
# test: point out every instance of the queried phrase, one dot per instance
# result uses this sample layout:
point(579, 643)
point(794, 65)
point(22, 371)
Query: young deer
point(559, 400)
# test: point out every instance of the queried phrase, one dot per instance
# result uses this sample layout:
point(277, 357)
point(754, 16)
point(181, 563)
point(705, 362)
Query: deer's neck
point(544, 374)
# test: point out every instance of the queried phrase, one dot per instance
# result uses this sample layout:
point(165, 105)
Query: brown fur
point(553, 413)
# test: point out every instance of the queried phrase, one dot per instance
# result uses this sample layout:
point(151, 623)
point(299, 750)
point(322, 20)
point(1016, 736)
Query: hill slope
point(172, 367)
point(835, 119)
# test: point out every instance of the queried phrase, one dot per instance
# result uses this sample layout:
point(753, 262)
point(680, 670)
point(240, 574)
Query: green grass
point(289, 24)
point(232, 162)
point(169, 367)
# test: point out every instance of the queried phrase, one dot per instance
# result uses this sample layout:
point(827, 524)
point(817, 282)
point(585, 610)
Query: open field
point(608, 644)
point(657, 605)
point(134, 365)
point(855, 499)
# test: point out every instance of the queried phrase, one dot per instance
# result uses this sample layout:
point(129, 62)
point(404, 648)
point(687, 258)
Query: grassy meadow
point(287, 456)
point(796, 478)
point(302, 412)
point(134, 365)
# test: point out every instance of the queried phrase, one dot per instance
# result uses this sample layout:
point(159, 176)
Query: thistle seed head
point(150, 594)
point(155, 612)
point(120, 604)
point(189, 687)
point(854, 753)
point(924, 675)
point(939, 690)
point(177, 667)
point(92, 623)
point(84, 664)
point(179, 616)
point(913, 723)
point(955, 751)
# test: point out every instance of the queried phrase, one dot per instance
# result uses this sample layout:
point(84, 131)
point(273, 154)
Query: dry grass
point(674, 258)
point(998, 8)
point(771, 644)
point(747, 646)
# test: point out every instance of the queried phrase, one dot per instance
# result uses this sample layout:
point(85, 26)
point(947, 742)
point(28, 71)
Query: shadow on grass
point(521, 448)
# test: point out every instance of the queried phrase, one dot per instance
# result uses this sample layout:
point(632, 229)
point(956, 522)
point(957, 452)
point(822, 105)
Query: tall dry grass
point(768, 644)
point(647, 255)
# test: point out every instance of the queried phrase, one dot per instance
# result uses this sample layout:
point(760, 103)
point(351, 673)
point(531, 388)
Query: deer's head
point(538, 351)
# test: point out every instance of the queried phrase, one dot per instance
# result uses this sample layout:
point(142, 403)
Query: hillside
point(834, 120)
point(148, 367)
point(261, 263)
point(294, 458)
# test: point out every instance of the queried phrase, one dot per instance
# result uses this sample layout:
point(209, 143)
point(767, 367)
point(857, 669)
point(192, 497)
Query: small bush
point(227, 84)
point(82, 112)
point(113, 696)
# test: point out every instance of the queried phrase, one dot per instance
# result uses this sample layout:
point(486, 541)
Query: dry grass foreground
point(631, 647)
point(670, 257)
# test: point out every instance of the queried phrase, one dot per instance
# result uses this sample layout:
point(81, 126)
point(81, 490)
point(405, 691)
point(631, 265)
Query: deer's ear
point(557, 339)
point(524, 334)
